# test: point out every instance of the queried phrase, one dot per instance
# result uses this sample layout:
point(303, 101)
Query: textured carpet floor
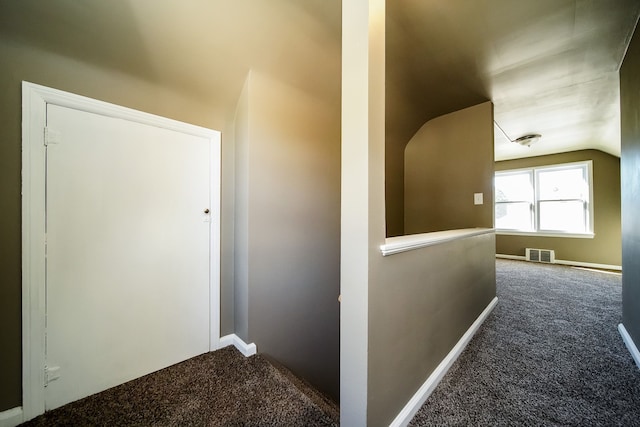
point(222, 388)
point(549, 354)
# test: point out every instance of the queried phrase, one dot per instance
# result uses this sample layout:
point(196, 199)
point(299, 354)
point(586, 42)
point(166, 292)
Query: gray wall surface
point(422, 303)
point(605, 247)
point(446, 162)
point(241, 219)
point(288, 262)
point(60, 72)
point(630, 175)
point(136, 61)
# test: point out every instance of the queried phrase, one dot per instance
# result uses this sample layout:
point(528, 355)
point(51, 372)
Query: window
point(552, 200)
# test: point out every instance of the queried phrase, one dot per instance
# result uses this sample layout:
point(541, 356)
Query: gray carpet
point(549, 354)
point(222, 388)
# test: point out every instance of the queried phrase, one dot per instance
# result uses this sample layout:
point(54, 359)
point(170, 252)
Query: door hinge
point(51, 136)
point(51, 373)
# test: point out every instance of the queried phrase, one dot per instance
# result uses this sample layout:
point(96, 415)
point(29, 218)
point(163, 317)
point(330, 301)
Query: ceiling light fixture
point(524, 140)
point(527, 140)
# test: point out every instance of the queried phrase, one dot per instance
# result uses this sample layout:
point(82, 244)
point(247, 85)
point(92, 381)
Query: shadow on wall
point(287, 228)
point(25, 25)
point(447, 162)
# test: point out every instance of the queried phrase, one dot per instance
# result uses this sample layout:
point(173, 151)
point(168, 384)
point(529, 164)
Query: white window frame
point(536, 231)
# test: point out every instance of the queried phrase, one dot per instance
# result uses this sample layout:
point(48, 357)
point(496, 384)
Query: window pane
point(566, 216)
point(514, 187)
point(563, 184)
point(514, 216)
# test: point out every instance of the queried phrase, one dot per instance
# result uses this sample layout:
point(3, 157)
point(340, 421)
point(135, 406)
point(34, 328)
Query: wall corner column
point(362, 193)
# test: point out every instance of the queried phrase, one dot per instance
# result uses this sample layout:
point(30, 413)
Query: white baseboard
point(571, 263)
point(590, 265)
point(631, 346)
point(516, 257)
point(11, 417)
point(418, 399)
point(236, 341)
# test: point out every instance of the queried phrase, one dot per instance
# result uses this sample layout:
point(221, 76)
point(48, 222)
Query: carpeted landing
point(549, 354)
point(222, 388)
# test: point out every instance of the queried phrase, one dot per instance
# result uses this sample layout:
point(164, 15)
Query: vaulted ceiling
point(549, 66)
point(202, 48)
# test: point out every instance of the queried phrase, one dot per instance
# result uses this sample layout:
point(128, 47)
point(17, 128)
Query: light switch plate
point(477, 199)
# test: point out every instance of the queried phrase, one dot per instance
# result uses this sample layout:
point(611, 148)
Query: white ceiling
point(549, 66)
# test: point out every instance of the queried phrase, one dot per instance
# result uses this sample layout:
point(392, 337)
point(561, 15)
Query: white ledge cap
point(394, 245)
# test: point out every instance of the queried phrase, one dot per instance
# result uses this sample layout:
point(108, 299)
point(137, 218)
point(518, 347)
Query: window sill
point(545, 234)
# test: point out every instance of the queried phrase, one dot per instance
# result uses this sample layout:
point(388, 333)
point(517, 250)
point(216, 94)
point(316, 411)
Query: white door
point(127, 252)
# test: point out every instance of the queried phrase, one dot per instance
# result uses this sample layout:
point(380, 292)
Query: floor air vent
point(540, 255)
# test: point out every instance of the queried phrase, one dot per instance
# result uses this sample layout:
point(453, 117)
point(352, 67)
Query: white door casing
point(36, 101)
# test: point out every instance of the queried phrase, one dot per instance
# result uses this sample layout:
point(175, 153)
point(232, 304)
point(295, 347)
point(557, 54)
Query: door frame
point(34, 109)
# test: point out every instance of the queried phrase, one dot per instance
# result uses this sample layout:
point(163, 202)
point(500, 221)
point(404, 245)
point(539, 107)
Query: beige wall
point(605, 247)
point(446, 162)
point(288, 228)
point(421, 304)
point(401, 314)
point(27, 63)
